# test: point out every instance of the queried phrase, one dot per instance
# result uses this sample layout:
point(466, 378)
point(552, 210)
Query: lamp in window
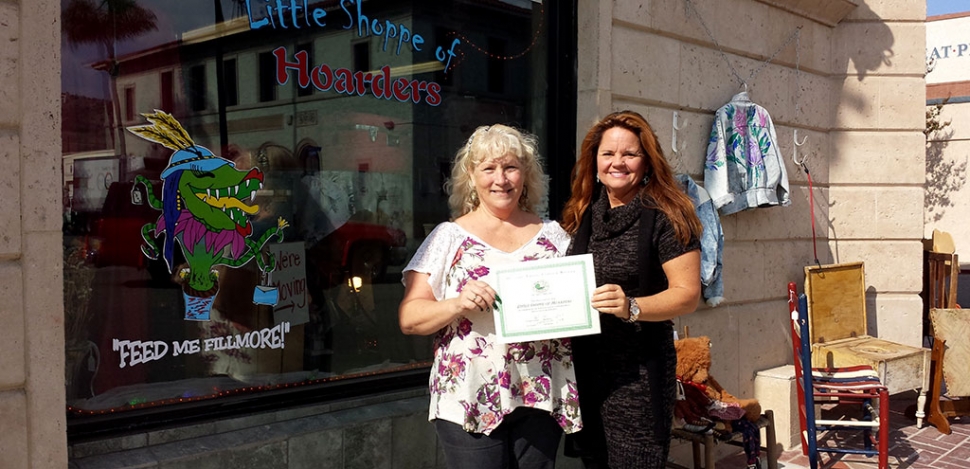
point(355, 283)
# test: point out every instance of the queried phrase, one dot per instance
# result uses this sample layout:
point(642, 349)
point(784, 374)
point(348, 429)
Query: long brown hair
point(661, 191)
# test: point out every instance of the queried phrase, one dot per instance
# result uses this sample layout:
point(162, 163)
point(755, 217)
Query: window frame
point(560, 116)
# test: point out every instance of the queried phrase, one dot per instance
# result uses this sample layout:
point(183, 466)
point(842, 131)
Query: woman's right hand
point(476, 295)
point(421, 314)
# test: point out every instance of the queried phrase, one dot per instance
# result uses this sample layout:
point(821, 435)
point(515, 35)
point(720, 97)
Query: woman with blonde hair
point(627, 210)
point(493, 405)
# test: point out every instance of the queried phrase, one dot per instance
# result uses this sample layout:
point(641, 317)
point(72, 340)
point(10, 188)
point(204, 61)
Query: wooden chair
point(858, 385)
point(951, 353)
point(940, 273)
point(941, 323)
point(839, 333)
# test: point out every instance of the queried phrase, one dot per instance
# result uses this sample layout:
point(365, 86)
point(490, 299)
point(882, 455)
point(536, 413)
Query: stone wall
point(32, 420)
point(856, 95)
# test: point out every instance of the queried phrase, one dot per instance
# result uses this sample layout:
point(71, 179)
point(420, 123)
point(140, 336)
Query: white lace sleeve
point(558, 236)
point(433, 255)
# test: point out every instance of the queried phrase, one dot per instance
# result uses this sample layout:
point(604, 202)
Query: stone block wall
point(32, 419)
point(853, 87)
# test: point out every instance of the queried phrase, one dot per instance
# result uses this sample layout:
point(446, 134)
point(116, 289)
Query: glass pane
point(245, 181)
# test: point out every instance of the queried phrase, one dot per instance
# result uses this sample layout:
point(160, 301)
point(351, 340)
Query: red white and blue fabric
point(847, 379)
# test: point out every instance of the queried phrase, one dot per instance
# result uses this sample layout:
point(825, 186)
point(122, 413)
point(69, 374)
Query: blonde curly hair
point(489, 142)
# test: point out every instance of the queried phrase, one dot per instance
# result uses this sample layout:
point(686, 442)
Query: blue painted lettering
point(350, 16)
point(275, 13)
point(390, 31)
point(446, 56)
point(254, 24)
point(318, 15)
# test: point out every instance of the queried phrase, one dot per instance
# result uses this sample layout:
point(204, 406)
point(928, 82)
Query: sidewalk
point(909, 447)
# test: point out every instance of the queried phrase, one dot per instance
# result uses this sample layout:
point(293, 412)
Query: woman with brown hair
point(627, 210)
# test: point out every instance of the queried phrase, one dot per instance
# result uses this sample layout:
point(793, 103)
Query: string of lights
point(532, 44)
point(143, 403)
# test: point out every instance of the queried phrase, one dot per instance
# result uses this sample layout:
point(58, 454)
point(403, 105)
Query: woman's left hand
point(611, 299)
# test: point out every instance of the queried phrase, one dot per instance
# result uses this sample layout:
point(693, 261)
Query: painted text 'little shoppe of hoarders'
point(298, 14)
point(136, 352)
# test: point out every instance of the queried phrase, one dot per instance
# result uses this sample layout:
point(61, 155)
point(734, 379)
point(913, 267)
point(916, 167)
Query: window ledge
point(256, 429)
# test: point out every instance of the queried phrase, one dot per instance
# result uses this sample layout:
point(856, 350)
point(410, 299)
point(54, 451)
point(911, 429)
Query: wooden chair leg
point(770, 454)
point(884, 429)
point(696, 449)
point(709, 451)
point(935, 415)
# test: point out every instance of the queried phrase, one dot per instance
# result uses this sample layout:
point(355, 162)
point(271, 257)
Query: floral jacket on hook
point(744, 167)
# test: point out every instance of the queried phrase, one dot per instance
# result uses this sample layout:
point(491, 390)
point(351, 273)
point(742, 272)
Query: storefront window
point(245, 180)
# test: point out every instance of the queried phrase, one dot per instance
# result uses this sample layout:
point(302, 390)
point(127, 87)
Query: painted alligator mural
point(206, 207)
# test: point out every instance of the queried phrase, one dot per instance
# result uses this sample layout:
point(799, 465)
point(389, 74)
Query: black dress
point(626, 374)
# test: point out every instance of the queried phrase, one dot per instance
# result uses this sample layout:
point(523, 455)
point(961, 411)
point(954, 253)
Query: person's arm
point(680, 297)
point(421, 314)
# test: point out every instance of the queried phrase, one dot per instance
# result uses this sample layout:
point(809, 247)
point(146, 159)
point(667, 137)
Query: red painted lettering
point(359, 81)
point(382, 84)
point(434, 94)
point(416, 86)
point(325, 72)
point(302, 76)
point(400, 85)
point(343, 81)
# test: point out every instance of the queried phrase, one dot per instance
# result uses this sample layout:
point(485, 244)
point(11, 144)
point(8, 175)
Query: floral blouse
point(475, 381)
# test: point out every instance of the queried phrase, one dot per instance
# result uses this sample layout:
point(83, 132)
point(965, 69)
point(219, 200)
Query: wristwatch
point(634, 310)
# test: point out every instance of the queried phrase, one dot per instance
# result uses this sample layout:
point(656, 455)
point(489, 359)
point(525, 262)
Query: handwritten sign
point(289, 278)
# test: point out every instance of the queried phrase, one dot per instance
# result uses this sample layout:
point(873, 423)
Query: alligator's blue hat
point(197, 158)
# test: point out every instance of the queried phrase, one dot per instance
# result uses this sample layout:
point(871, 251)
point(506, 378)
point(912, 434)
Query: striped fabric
point(848, 379)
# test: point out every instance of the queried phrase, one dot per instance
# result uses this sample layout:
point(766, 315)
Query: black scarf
point(613, 221)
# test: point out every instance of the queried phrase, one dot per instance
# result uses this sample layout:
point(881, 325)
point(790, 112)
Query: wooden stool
point(711, 439)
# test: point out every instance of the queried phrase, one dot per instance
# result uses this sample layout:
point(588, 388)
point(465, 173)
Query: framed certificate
point(545, 299)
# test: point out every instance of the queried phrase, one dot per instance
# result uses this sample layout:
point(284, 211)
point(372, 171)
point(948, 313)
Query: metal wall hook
point(674, 128)
point(794, 150)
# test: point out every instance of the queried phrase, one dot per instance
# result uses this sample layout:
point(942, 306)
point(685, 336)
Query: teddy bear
point(693, 368)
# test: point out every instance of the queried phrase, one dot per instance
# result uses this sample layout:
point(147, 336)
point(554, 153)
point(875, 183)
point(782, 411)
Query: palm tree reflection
point(105, 23)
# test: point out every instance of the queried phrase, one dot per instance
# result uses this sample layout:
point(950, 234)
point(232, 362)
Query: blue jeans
point(526, 439)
